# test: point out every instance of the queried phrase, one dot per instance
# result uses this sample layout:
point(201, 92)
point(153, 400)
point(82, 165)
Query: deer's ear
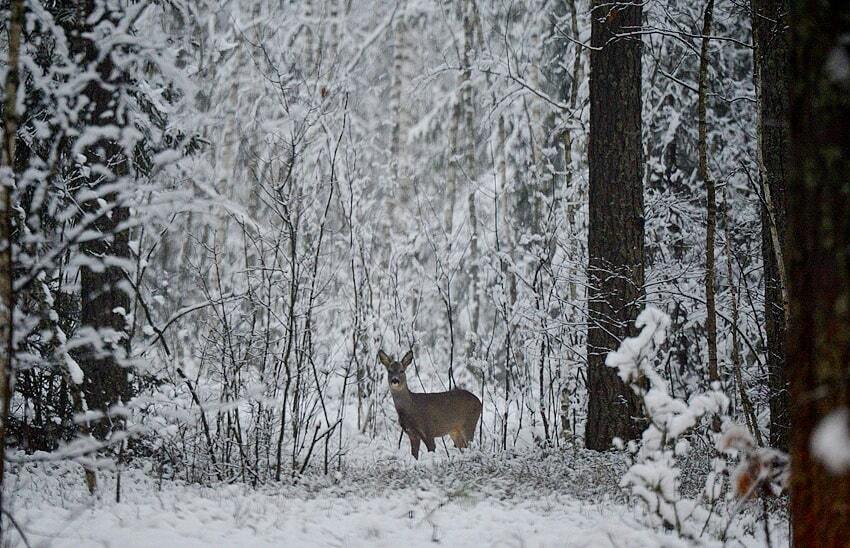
point(405, 361)
point(386, 360)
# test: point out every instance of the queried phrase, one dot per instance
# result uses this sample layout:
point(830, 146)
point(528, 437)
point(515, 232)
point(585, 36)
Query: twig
point(17, 527)
point(203, 421)
point(317, 437)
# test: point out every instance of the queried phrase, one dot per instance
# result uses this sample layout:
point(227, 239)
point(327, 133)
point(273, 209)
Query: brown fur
point(426, 416)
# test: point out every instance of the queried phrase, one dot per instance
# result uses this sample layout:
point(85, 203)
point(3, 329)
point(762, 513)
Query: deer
point(428, 415)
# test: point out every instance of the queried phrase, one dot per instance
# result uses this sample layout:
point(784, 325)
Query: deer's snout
point(395, 381)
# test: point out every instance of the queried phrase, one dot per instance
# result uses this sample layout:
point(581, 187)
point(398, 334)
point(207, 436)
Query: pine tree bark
point(772, 62)
point(818, 240)
point(102, 295)
point(616, 229)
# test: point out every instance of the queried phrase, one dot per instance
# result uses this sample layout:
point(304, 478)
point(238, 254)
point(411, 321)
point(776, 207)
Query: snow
point(257, 109)
point(627, 359)
point(73, 369)
point(468, 500)
point(838, 62)
point(831, 441)
point(232, 517)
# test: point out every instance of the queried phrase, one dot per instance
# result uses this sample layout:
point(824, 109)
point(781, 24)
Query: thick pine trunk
point(819, 265)
point(771, 77)
point(102, 295)
point(616, 231)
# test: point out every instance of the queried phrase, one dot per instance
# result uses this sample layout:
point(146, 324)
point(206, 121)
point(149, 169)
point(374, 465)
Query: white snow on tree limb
point(628, 359)
point(831, 441)
point(838, 61)
point(74, 369)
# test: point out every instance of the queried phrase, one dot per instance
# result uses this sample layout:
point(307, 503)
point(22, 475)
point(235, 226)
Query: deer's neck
point(403, 400)
point(408, 417)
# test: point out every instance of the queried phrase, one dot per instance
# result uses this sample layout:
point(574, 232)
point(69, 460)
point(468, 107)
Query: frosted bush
point(654, 476)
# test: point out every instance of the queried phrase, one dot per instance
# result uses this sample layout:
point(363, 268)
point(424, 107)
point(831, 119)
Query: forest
point(405, 272)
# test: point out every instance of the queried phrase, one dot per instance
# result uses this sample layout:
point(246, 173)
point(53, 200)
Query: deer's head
point(396, 369)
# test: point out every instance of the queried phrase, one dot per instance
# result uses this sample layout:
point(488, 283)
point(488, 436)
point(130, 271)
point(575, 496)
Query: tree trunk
point(468, 109)
point(711, 199)
point(818, 240)
point(771, 79)
point(7, 185)
point(575, 195)
point(398, 151)
point(616, 231)
point(102, 295)
point(746, 403)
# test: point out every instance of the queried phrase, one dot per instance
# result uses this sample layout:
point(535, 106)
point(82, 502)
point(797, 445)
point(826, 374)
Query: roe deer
point(426, 416)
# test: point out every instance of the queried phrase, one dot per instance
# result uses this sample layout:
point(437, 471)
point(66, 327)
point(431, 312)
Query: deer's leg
point(429, 443)
point(458, 438)
point(470, 427)
point(414, 445)
point(469, 431)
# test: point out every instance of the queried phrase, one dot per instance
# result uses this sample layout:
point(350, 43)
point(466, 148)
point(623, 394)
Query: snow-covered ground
point(408, 517)
point(473, 500)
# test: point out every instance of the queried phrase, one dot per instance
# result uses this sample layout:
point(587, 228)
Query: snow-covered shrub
point(672, 424)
